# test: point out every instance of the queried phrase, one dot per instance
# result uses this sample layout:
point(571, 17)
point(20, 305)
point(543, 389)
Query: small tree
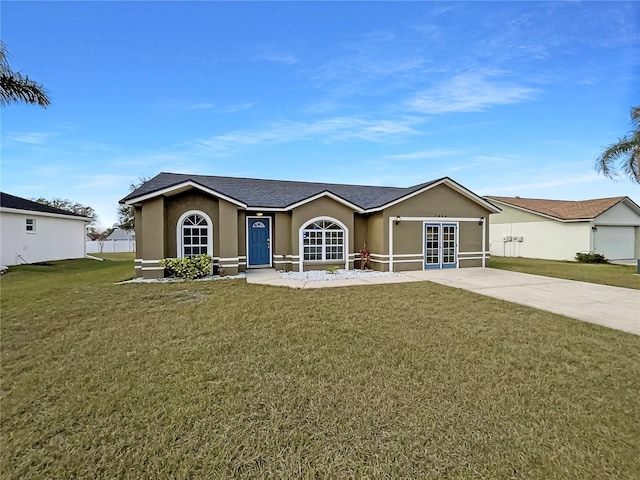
point(73, 207)
point(126, 213)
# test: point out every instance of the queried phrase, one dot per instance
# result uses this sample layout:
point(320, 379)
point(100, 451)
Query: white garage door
point(615, 242)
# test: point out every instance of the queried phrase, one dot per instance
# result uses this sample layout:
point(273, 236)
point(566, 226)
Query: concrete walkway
point(612, 307)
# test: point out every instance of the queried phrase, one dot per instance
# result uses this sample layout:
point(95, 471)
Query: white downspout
point(484, 242)
point(391, 244)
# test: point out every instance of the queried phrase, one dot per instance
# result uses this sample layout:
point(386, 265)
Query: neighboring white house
point(558, 229)
point(31, 232)
point(118, 241)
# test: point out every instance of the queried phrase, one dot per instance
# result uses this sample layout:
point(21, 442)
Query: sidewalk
point(612, 307)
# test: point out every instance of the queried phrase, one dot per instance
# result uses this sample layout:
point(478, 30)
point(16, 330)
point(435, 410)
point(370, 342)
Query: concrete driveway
point(612, 307)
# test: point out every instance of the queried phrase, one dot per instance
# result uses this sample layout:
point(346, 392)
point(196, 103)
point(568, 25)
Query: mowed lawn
point(602, 273)
point(223, 379)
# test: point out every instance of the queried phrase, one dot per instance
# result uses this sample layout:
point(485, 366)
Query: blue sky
point(507, 98)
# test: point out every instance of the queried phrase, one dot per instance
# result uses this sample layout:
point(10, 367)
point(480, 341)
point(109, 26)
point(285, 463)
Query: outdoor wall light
point(481, 221)
point(397, 219)
point(259, 214)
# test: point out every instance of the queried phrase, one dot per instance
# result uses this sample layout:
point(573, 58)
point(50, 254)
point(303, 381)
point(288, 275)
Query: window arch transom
point(323, 240)
point(194, 231)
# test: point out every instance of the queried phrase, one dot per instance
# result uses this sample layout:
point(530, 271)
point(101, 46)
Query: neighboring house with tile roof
point(31, 232)
point(256, 223)
point(558, 229)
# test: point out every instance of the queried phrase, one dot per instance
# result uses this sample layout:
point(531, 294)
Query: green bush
point(590, 258)
point(189, 268)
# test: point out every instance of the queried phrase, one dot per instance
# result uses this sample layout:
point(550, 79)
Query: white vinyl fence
point(111, 246)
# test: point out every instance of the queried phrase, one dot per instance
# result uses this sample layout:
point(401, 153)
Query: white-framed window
point(323, 240)
point(194, 234)
point(30, 225)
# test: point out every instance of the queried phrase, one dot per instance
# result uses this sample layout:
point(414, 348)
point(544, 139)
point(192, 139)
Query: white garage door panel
point(615, 242)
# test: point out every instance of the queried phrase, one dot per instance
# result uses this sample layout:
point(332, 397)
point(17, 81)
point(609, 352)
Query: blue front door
point(259, 243)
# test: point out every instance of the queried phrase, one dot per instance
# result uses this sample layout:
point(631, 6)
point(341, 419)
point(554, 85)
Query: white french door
point(440, 245)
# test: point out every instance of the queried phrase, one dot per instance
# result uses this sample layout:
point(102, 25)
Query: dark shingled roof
point(19, 203)
point(278, 193)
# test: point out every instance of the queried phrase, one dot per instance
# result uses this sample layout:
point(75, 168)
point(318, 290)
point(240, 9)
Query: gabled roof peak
point(563, 209)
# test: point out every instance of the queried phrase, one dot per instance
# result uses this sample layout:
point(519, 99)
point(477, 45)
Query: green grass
point(224, 379)
point(605, 274)
point(115, 256)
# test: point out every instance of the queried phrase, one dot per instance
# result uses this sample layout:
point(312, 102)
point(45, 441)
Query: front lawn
point(603, 273)
point(225, 379)
point(115, 256)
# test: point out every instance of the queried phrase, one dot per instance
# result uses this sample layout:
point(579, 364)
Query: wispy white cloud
point(29, 187)
point(329, 129)
point(208, 106)
point(425, 154)
point(239, 107)
point(268, 53)
point(470, 91)
point(539, 184)
point(145, 160)
point(103, 181)
point(32, 138)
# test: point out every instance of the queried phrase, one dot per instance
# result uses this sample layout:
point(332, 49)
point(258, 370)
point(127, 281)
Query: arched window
point(323, 240)
point(194, 235)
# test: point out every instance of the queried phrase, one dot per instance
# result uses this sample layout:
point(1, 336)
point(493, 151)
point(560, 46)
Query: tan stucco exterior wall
point(322, 207)
point(153, 220)
point(360, 231)
point(282, 234)
point(137, 226)
point(441, 202)
point(179, 204)
point(228, 237)
point(376, 238)
point(242, 232)
point(137, 212)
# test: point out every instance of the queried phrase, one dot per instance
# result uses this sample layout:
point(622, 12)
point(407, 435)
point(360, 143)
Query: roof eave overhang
point(550, 217)
point(445, 181)
point(183, 186)
point(44, 214)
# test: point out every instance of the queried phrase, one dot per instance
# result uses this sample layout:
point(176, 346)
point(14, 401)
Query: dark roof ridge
point(18, 203)
point(308, 182)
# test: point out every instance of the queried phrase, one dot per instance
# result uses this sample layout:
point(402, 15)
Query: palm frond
point(626, 151)
point(14, 87)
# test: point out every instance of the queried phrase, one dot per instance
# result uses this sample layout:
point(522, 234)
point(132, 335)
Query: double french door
point(440, 245)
